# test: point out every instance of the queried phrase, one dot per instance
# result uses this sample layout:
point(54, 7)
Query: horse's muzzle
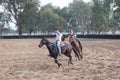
point(39, 46)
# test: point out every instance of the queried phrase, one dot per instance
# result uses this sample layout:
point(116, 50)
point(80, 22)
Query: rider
point(72, 33)
point(58, 40)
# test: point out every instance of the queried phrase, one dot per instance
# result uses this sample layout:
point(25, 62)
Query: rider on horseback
point(72, 33)
point(58, 39)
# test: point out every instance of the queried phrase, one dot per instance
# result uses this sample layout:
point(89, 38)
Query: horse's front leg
point(70, 60)
point(59, 65)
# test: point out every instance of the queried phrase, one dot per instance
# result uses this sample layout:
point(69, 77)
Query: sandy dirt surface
point(24, 60)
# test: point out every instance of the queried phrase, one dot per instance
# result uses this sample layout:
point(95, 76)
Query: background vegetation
point(96, 17)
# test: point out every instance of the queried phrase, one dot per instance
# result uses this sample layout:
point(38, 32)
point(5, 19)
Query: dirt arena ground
point(23, 60)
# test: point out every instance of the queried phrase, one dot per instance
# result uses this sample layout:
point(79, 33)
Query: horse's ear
point(43, 36)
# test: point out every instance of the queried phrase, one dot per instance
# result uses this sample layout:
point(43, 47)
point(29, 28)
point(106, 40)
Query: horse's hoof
point(81, 58)
point(72, 63)
point(59, 65)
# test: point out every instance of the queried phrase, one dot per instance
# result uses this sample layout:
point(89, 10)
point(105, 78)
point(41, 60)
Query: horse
point(66, 50)
point(77, 46)
point(74, 42)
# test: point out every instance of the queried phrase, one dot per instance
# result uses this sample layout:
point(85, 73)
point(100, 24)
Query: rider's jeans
point(58, 46)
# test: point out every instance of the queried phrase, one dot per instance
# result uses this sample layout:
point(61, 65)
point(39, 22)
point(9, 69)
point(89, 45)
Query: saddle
point(62, 44)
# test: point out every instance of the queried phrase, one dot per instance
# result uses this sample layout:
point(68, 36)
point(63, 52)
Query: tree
point(117, 13)
point(49, 19)
point(80, 15)
point(17, 8)
point(30, 21)
point(4, 19)
point(98, 17)
point(1, 23)
point(112, 11)
point(1, 28)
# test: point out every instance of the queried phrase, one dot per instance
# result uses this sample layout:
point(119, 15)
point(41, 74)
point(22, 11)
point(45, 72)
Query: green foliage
point(80, 14)
point(49, 19)
point(18, 10)
point(97, 19)
point(30, 17)
point(113, 21)
point(96, 16)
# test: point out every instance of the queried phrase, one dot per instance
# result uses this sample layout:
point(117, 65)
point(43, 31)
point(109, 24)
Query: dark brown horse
point(77, 47)
point(66, 50)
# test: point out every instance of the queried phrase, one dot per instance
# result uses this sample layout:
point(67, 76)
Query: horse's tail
point(81, 47)
point(76, 53)
point(80, 50)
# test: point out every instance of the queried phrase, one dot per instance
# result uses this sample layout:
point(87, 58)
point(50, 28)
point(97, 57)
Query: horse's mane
point(48, 41)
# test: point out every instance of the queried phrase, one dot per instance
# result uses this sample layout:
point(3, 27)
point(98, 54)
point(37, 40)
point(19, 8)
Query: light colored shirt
point(72, 33)
point(58, 36)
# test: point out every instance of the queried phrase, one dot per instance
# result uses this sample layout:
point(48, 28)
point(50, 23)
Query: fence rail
point(51, 36)
point(100, 36)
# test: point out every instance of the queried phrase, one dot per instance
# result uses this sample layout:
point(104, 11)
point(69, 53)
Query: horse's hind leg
point(56, 61)
point(68, 54)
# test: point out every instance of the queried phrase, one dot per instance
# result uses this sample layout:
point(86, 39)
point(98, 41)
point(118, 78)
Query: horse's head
point(64, 37)
point(71, 38)
point(43, 42)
